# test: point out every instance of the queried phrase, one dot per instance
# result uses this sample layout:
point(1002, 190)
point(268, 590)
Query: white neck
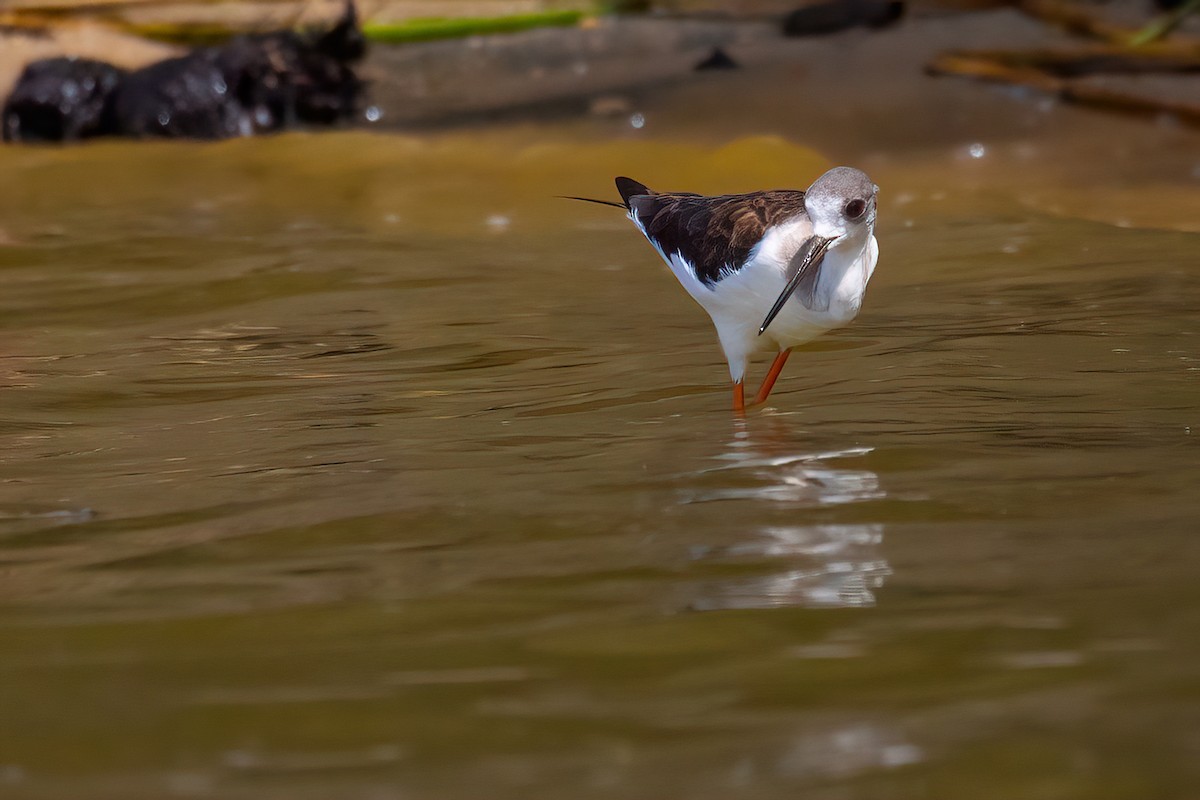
point(848, 266)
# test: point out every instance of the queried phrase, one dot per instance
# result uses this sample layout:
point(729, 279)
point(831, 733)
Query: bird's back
point(713, 235)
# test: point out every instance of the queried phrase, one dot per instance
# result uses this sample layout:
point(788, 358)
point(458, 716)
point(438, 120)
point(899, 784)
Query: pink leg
point(739, 397)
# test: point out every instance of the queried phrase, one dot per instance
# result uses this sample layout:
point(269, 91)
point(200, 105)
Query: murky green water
point(357, 466)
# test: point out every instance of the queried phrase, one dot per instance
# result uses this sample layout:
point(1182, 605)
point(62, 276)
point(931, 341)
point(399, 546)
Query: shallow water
point(358, 466)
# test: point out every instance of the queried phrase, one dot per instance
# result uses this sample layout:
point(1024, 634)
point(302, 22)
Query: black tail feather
point(630, 188)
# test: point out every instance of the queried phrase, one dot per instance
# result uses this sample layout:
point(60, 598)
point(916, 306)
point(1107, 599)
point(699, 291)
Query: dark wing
point(713, 234)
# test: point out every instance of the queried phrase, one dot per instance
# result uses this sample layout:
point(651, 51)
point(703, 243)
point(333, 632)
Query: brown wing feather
point(713, 234)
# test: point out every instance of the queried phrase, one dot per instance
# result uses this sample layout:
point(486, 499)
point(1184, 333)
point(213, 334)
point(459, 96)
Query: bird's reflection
point(817, 564)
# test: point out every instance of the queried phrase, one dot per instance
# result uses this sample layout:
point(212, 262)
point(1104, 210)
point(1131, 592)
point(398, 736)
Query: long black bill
point(806, 263)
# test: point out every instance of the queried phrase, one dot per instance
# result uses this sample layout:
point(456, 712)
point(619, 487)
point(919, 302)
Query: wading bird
point(773, 269)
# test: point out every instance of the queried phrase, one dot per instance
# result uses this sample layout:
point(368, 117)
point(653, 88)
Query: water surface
point(359, 466)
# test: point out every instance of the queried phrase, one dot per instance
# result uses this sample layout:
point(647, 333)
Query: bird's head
point(841, 203)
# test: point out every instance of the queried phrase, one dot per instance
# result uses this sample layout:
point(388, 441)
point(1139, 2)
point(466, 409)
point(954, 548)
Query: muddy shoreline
point(599, 66)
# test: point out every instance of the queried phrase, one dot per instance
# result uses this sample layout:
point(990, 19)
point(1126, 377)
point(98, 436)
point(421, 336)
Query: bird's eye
point(855, 209)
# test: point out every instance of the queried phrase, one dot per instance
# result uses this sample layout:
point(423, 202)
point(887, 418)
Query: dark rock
point(328, 89)
point(59, 99)
point(252, 84)
point(831, 17)
point(344, 41)
point(186, 97)
point(718, 59)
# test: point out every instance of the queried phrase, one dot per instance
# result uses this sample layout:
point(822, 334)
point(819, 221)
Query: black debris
point(253, 84)
point(718, 59)
point(840, 15)
point(60, 99)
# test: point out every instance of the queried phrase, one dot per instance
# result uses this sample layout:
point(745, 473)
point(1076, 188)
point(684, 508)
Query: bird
point(773, 269)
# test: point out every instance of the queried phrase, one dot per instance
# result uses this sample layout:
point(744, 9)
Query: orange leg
point(772, 375)
point(739, 397)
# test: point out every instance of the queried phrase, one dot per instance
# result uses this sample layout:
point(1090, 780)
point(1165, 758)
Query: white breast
point(740, 301)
